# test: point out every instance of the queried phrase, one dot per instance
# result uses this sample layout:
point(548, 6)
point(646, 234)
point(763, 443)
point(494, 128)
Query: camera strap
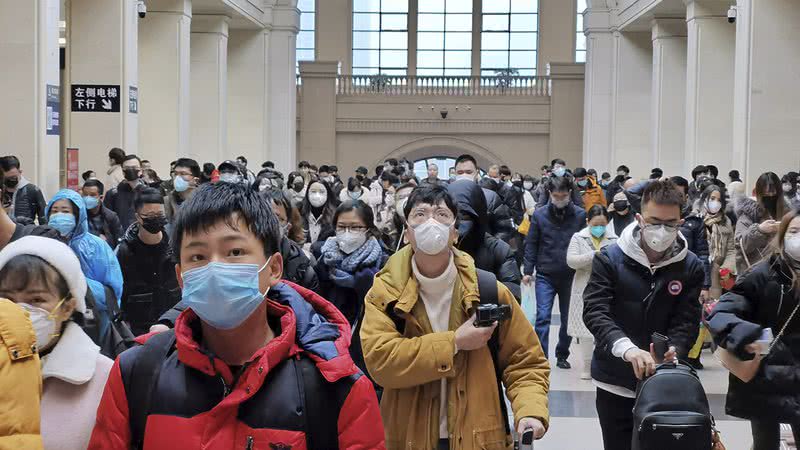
point(487, 291)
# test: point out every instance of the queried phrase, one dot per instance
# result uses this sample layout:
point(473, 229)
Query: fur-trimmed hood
point(749, 208)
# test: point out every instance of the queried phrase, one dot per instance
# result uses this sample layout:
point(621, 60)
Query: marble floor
point(574, 424)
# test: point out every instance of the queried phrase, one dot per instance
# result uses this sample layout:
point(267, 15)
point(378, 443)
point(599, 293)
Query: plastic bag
point(529, 302)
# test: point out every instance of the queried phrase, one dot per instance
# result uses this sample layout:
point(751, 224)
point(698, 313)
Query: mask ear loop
point(401, 238)
point(260, 270)
point(52, 315)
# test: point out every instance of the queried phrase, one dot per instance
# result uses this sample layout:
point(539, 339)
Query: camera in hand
point(486, 315)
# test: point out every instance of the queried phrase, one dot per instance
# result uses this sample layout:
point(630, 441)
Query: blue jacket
point(98, 262)
point(548, 239)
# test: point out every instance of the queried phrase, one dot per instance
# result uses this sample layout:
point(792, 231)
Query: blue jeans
point(546, 290)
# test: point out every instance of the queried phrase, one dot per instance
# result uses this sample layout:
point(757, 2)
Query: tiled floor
point(574, 424)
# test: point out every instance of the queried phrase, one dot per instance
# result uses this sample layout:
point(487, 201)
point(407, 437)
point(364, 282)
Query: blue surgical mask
point(181, 185)
point(91, 202)
point(598, 231)
point(64, 223)
point(582, 183)
point(559, 171)
point(223, 294)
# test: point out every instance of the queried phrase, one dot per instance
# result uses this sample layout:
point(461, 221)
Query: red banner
point(73, 175)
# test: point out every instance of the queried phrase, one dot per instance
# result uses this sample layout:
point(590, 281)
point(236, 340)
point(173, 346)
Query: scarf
point(716, 224)
point(342, 267)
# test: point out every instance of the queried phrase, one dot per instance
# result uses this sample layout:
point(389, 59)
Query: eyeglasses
point(668, 226)
point(421, 215)
point(351, 228)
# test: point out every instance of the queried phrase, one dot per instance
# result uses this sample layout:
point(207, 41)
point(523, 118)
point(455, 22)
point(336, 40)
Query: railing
point(515, 86)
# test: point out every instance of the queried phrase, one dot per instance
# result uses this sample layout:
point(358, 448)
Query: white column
point(631, 122)
point(709, 84)
point(164, 47)
point(29, 50)
point(766, 122)
point(248, 133)
point(282, 94)
point(209, 75)
point(669, 95)
point(599, 87)
point(101, 50)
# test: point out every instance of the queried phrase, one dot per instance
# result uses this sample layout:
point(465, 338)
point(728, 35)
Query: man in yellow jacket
point(439, 380)
point(20, 380)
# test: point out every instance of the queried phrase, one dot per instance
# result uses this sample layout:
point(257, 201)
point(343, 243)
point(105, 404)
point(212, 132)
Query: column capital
point(669, 27)
point(319, 69)
point(183, 7)
point(597, 20)
point(210, 23)
point(707, 9)
point(566, 71)
point(286, 16)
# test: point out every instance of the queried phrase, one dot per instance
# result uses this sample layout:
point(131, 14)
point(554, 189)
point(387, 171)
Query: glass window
point(380, 37)
point(444, 37)
point(305, 38)
point(509, 36)
point(580, 38)
point(443, 163)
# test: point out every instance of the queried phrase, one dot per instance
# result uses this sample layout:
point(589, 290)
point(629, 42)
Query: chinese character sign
point(72, 169)
point(53, 110)
point(133, 99)
point(95, 98)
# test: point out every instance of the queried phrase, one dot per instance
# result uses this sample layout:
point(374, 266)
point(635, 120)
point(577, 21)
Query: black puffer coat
point(762, 298)
point(694, 230)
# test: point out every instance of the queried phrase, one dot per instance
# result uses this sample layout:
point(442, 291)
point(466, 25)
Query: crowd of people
point(223, 308)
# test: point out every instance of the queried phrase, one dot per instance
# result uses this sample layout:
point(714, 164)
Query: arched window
point(444, 37)
point(443, 163)
point(509, 37)
point(380, 37)
point(305, 38)
point(580, 38)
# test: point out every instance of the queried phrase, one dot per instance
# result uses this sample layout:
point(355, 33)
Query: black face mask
point(11, 183)
point(298, 186)
point(620, 205)
point(771, 204)
point(131, 174)
point(360, 177)
point(154, 224)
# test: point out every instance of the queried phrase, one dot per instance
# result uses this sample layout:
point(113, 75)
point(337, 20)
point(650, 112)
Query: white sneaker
point(586, 376)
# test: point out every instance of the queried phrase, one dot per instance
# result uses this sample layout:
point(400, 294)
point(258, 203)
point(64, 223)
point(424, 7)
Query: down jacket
point(27, 203)
point(98, 262)
point(548, 239)
point(762, 298)
point(410, 364)
point(20, 380)
point(198, 401)
point(751, 244)
point(580, 255)
point(694, 230)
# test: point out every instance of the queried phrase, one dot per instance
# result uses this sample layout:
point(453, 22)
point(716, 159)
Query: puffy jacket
point(98, 262)
point(120, 200)
point(410, 365)
point(28, 203)
point(20, 380)
point(751, 244)
point(501, 224)
point(626, 297)
point(548, 239)
point(151, 286)
point(762, 298)
point(106, 222)
point(694, 230)
point(593, 194)
point(580, 254)
point(197, 402)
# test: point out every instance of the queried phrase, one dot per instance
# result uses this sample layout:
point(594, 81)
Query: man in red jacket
point(253, 363)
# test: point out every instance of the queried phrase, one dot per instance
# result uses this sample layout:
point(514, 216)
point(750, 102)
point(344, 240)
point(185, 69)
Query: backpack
point(320, 397)
point(106, 327)
point(487, 292)
point(671, 411)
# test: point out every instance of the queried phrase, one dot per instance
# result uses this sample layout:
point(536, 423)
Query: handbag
point(525, 226)
point(747, 370)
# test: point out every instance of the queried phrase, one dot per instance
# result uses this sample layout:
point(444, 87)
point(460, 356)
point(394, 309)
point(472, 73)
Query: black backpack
point(117, 336)
point(321, 397)
point(671, 411)
point(487, 291)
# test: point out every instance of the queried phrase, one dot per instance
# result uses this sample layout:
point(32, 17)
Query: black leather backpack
point(671, 411)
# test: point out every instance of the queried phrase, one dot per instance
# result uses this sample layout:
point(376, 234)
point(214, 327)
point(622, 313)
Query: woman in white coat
point(582, 248)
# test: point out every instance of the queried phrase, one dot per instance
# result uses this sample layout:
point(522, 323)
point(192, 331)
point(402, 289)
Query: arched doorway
point(444, 163)
point(442, 147)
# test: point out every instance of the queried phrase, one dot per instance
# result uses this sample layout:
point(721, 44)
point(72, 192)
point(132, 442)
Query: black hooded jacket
point(490, 254)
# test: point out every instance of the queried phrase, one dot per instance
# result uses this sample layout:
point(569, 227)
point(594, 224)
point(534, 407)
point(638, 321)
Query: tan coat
point(20, 380)
point(410, 366)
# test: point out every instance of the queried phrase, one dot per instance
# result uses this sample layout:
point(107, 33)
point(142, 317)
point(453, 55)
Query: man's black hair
point(95, 183)
point(242, 159)
point(624, 168)
point(734, 175)
point(87, 174)
point(190, 164)
point(268, 164)
point(117, 154)
point(592, 172)
point(208, 168)
point(466, 158)
point(433, 194)
point(303, 164)
point(390, 177)
point(147, 196)
point(558, 161)
point(580, 172)
point(504, 170)
point(680, 182)
point(130, 157)
point(713, 170)
point(560, 184)
point(698, 170)
point(605, 176)
point(362, 170)
point(9, 162)
point(544, 167)
point(333, 168)
point(663, 193)
point(213, 203)
point(392, 162)
point(324, 168)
